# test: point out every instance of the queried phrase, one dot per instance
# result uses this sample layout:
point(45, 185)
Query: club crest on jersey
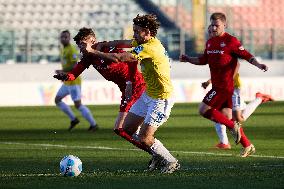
point(138, 49)
point(222, 44)
point(208, 45)
point(241, 48)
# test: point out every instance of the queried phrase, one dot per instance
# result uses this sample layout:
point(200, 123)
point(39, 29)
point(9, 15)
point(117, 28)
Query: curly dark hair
point(83, 34)
point(148, 21)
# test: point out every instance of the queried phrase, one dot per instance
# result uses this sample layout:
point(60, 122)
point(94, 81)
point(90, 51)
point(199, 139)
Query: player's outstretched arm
point(115, 43)
point(254, 62)
point(113, 57)
point(73, 74)
point(192, 60)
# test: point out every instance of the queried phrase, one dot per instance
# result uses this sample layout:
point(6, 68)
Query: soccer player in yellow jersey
point(69, 57)
point(153, 108)
point(241, 110)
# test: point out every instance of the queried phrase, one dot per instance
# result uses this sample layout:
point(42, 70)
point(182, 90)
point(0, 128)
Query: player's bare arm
point(113, 57)
point(192, 60)
point(254, 62)
point(115, 43)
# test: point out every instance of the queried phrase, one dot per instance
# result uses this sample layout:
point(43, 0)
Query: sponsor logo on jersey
point(138, 49)
point(215, 52)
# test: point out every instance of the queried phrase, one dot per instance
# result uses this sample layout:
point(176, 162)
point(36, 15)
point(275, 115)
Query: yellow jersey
point(69, 56)
point(237, 81)
point(155, 67)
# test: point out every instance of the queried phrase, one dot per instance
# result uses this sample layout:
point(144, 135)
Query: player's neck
point(222, 34)
point(66, 45)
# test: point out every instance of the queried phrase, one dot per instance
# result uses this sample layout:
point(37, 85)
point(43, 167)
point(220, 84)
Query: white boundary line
point(133, 171)
point(125, 149)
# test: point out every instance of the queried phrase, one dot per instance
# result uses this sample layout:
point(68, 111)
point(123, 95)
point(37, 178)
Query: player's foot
point(154, 163)
point(236, 132)
point(248, 151)
point(170, 167)
point(223, 146)
point(264, 97)
point(93, 128)
point(73, 123)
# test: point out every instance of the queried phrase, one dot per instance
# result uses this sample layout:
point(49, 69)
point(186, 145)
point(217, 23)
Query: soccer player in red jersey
point(221, 54)
point(129, 80)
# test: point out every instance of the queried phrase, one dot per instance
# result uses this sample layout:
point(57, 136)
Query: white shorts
point(155, 111)
point(238, 103)
point(73, 90)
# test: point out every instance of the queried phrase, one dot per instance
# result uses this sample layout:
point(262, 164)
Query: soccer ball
point(70, 166)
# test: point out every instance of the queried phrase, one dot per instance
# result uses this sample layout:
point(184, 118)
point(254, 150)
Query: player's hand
point(183, 58)
point(128, 92)
point(58, 71)
point(205, 84)
point(263, 67)
point(61, 76)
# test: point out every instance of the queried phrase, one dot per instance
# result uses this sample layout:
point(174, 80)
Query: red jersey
point(118, 73)
point(222, 53)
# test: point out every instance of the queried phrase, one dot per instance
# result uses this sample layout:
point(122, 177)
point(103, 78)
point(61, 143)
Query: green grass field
point(34, 139)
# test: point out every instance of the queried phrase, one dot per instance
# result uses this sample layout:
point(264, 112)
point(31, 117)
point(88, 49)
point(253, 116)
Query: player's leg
point(158, 112)
point(208, 108)
point(75, 91)
point(221, 131)
point(62, 92)
point(238, 106)
point(251, 107)
point(133, 119)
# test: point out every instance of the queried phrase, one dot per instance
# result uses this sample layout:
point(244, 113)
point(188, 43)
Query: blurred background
point(29, 39)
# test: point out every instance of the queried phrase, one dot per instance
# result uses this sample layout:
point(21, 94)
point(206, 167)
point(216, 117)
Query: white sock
point(221, 132)
point(250, 108)
point(159, 149)
point(86, 113)
point(66, 109)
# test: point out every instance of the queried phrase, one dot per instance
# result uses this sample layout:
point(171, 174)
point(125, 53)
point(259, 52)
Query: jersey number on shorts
point(212, 94)
point(160, 117)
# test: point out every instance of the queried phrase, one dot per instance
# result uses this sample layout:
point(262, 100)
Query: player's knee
point(77, 104)
point(148, 141)
point(240, 118)
point(117, 131)
point(57, 99)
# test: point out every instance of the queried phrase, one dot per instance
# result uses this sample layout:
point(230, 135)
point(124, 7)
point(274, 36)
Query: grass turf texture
point(34, 139)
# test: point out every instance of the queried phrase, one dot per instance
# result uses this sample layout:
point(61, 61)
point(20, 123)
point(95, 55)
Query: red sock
point(244, 140)
point(218, 117)
point(129, 138)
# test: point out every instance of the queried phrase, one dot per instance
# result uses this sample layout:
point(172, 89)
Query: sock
point(218, 117)
point(244, 140)
point(250, 108)
point(221, 132)
point(86, 113)
point(136, 143)
point(66, 109)
point(159, 149)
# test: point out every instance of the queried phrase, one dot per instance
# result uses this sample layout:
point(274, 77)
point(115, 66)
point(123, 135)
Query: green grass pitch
point(34, 139)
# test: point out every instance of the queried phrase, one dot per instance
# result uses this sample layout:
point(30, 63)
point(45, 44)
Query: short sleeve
point(238, 50)
point(141, 52)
